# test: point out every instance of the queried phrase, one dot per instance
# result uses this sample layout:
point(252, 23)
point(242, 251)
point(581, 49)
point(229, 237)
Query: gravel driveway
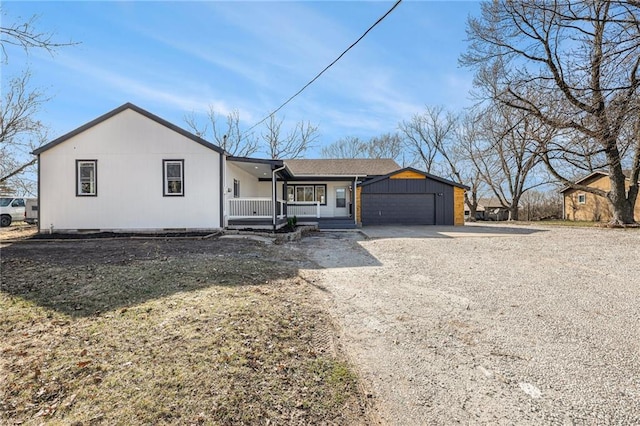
point(535, 327)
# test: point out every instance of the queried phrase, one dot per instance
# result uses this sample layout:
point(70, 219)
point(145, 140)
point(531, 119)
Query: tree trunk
point(620, 204)
point(513, 208)
point(472, 203)
point(513, 212)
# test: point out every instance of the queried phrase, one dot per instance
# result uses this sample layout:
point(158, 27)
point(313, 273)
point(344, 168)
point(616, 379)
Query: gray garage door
point(398, 209)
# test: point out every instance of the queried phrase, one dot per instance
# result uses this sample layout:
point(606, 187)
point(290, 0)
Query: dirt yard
point(167, 331)
point(491, 325)
point(474, 325)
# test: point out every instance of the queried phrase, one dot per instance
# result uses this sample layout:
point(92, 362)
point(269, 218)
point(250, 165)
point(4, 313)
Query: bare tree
point(542, 205)
point(347, 147)
point(575, 67)
point(232, 139)
point(462, 161)
point(20, 130)
point(27, 36)
point(428, 133)
point(290, 145)
point(388, 145)
point(506, 155)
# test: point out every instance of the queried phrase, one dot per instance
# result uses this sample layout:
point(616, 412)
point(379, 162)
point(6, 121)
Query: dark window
point(341, 197)
point(173, 173)
point(236, 188)
point(86, 178)
point(18, 202)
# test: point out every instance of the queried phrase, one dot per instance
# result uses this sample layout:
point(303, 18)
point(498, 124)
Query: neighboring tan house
point(582, 205)
point(489, 209)
point(130, 170)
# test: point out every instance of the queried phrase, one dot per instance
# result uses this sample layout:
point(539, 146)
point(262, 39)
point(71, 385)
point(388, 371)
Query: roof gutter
point(332, 176)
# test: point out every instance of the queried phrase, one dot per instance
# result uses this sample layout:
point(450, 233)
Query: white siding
point(265, 188)
point(330, 210)
point(129, 148)
point(249, 184)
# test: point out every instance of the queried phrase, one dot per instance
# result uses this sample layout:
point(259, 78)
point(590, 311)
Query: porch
point(258, 213)
point(263, 194)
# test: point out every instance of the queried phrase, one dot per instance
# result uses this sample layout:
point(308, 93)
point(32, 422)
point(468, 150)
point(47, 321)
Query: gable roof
point(411, 169)
point(117, 111)
point(594, 175)
point(490, 203)
point(342, 167)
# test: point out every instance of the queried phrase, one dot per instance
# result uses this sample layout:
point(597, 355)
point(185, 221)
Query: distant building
point(489, 209)
point(582, 205)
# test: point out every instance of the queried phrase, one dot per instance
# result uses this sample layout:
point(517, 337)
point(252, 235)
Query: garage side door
point(398, 209)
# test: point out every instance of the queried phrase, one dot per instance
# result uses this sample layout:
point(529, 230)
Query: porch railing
point(258, 208)
point(303, 209)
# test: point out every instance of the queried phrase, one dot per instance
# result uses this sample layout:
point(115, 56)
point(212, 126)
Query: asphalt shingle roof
point(338, 167)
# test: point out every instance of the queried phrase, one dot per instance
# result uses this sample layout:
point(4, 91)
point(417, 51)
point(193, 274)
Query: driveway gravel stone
point(488, 324)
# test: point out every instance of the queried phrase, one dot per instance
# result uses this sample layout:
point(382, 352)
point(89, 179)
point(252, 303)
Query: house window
point(236, 188)
point(173, 174)
point(320, 194)
point(307, 193)
point(341, 197)
point(582, 198)
point(86, 178)
point(304, 193)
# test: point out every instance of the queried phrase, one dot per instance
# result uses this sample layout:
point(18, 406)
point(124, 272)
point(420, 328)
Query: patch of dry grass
point(227, 336)
point(17, 231)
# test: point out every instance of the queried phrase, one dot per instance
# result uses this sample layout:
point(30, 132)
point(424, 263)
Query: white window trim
point(165, 178)
point(313, 186)
point(341, 198)
point(92, 183)
point(583, 197)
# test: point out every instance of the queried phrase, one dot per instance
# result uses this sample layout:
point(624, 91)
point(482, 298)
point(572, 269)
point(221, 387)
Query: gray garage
point(411, 197)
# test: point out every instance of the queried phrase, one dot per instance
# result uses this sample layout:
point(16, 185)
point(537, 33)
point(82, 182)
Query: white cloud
point(108, 83)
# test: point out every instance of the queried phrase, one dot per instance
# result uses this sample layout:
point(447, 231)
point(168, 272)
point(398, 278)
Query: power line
point(326, 68)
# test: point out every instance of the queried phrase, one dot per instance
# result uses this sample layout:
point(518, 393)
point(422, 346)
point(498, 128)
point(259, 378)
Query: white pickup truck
point(14, 209)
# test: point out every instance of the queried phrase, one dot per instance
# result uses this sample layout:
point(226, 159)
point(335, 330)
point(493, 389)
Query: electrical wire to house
point(325, 69)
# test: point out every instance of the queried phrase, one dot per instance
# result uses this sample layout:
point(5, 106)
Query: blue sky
point(173, 58)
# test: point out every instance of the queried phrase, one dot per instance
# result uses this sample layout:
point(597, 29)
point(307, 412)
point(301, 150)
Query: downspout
point(274, 195)
point(222, 192)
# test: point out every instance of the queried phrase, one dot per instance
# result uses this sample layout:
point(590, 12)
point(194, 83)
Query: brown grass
point(200, 332)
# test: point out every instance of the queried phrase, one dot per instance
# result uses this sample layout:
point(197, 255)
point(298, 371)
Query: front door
point(342, 202)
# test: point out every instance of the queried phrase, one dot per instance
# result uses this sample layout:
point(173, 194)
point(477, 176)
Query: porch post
point(273, 200)
point(354, 200)
point(285, 192)
point(274, 195)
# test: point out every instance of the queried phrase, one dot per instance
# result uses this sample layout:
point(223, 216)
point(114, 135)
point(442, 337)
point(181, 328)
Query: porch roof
point(260, 167)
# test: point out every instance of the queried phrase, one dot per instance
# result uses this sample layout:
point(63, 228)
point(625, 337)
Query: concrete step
point(336, 224)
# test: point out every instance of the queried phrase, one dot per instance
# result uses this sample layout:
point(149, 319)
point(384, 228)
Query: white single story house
point(132, 171)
